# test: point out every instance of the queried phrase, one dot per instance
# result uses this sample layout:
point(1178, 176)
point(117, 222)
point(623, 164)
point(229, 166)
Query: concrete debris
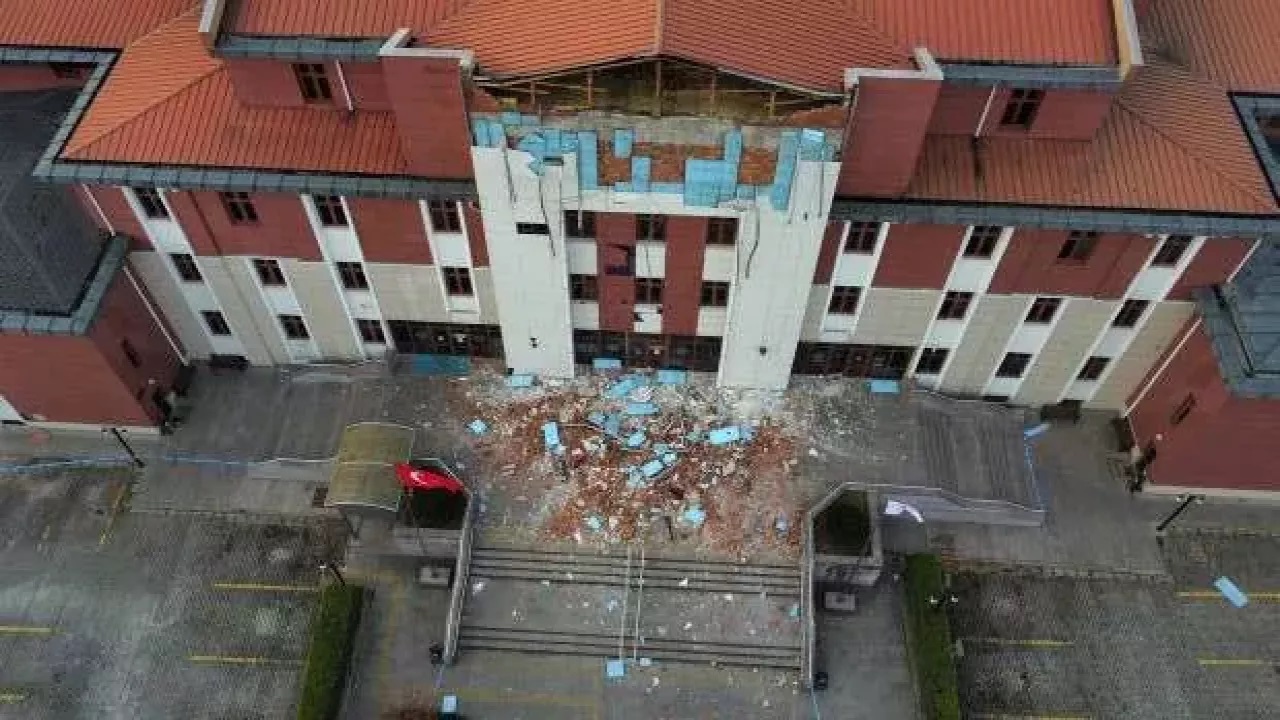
point(684, 582)
point(520, 380)
point(477, 586)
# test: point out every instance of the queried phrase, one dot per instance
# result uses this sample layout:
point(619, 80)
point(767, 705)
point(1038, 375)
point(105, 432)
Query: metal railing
point(461, 572)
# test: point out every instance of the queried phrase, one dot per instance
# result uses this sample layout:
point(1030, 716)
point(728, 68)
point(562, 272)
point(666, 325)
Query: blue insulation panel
point(640, 173)
point(553, 146)
point(530, 120)
point(510, 118)
point(623, 187)
point(441, 365)
point(622, 142)
point(605, 363)
point(725, 435)
point(668, 188)
point(551, 436)
point(733, 146)
point(884, 387)
point(784, 173)
point(520, 380)
point(813, 145)
point(1231, 591)
point(588, 165)
point(673, 377)
point(642, 408)
point(702, 182)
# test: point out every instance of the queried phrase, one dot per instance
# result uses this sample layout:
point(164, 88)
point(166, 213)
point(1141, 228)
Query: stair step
point(694, 585)
point(552, 556)
point(599, 645)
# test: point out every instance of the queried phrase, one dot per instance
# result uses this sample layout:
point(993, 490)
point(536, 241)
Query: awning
point(365, 475)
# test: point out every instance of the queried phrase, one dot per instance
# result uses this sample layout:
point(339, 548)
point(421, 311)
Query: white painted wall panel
point(1166, 320)
point(322, 307)
point(816, 310)
point(408, 292)
point(720, 262)
point(994, 319)
point(712, 321)
point(582, 257)
point(651, 260)
point(1058, 361)
point(244, 310)
point(452, 250)
point(894, 316)
point(585, 315)
point(150, 270)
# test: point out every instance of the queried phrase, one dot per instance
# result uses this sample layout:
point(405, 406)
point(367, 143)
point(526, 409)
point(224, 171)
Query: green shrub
point(333, 632)
point(929, 639)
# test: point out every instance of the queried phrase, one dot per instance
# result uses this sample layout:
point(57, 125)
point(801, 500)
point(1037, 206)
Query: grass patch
point(333, 632)
point(929, 639)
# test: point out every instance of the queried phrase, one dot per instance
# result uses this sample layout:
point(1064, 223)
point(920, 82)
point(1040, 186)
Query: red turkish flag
point(413, 478)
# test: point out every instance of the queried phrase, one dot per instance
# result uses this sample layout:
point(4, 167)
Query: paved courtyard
point(106, 614)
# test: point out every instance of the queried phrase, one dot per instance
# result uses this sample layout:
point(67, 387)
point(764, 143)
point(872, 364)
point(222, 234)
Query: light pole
point(332, 568)
point(1182, 507)
point(115, 432)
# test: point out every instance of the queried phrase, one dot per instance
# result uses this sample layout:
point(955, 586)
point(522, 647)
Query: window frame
point(579, 224)
point(239, 207)
point(1078, 247)
point(444, 215)
point(845, 300)
point(294, 327)
point(714, 294)
point(216, 323)
point(862, 239)
point(457, 281)
point(363, 324)
point(313, 82)
point(152, 203)
point(1123, 319)
point(932, 355)
point(583, 288)
point(722, 231)
point(955, 305)
point(1022, 108)
point(649, 291)
point(982, 241)
point(1043, 310)
point(1163, 258)
point(330, 210)
point(269, 272)
point(351, 275)
point(1093, 368)
point(184, 264)
point(651, 227)
point(1022, 360)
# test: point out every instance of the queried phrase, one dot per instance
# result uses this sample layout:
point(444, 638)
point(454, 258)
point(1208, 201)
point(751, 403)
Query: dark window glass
point(651, 227)
point(931, 361)
point(982, 241)
point(313, 82)
point(1184, 409)
point(862, 238)
point(130, 354)
point(1021, 109)
point(186, 267)
point(352, 276)
point(1172, 250)
point(65, 71)
point(1043, 309)
point(1013, 365)
point(844, 300)
point(722, 231)
point(152, 204)
point(583, 287)
point(532, 229)
point(330, 210)
point(1130, 313)
point(1078, 246)
point(294, 328)
point(579, 224)
point(371, 332)
point(269, 272)
point(444, 216)
point(648, 291)
point(216, 323)
point(954, 305)
point(1093, 368)
point(715, 294)
point(239, 207)
point(457, 280)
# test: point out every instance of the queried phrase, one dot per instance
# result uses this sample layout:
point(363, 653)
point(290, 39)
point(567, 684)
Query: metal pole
point(635, 639)
point(124, 444)
point(1186, 503)
point(337, 574)
point(626, 600)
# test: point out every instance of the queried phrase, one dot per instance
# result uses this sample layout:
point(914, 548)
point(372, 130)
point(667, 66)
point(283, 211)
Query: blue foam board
point(1231, 591)
point(652, 468)
point(622, 141)
point(884, 387)
point(673, 377)
point(520, 380)
point(603, 363)
point(725, 435)
point(636, 439)
point(478, 427)
point(641, 408)
point(551, 435)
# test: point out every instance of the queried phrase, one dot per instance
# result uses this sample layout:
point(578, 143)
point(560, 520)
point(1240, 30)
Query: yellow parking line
point(265, 587)
point(1034, 643)
point(25, 630)
point(12, 697)
point(1215, 595)
point(116, 504)
point(1234, 662)
point(238, 660)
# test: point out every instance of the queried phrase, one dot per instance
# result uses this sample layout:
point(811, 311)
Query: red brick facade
point(885, 135)
point(682, 291)
point(918, 255)
point(1217, 259)
point(391, 231)
point(1031, 265)
point(615, 238)
point(282, 229)
point(426, 96)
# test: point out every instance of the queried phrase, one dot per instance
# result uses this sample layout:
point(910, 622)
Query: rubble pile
point(642, 456)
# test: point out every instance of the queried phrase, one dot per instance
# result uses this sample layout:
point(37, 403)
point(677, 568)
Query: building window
point(982, 241)
point(294, 328)
point(931, 361)
point(579, 224)
point(1043, 310)
point(1130, 313)
point(955, 305)
point(152, 204)
point(1184, 409)
point(444, 216)
point(715, 294)
point(1078, 246)
point(352, 275)
point(65, 71)
point(1013, 365)
point(269, 272)
point(722, 231)
point(239, 207)
point(583, 287)
point(313, 81)
point(130, 354)
point(862, 238)
point(1021, 109)
point(370, 332)
point(216, 323)
point(652, 228)
point(1171, 250)
point(532, 229)
point(186, 267)
point(1093, 368)
point(330, 210)
point(844, 300)
point(648, 291)
point(457, 280)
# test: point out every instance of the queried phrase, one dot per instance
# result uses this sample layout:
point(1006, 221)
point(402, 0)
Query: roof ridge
point(1266, 201)
point(86, 147)
point(872, 25)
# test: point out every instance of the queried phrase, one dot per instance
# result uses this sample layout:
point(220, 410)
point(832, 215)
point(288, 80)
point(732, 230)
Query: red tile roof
point(84, 23)
point(1235, 43)
point(1023, 31)
point(167, 102)
point(336, 18)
